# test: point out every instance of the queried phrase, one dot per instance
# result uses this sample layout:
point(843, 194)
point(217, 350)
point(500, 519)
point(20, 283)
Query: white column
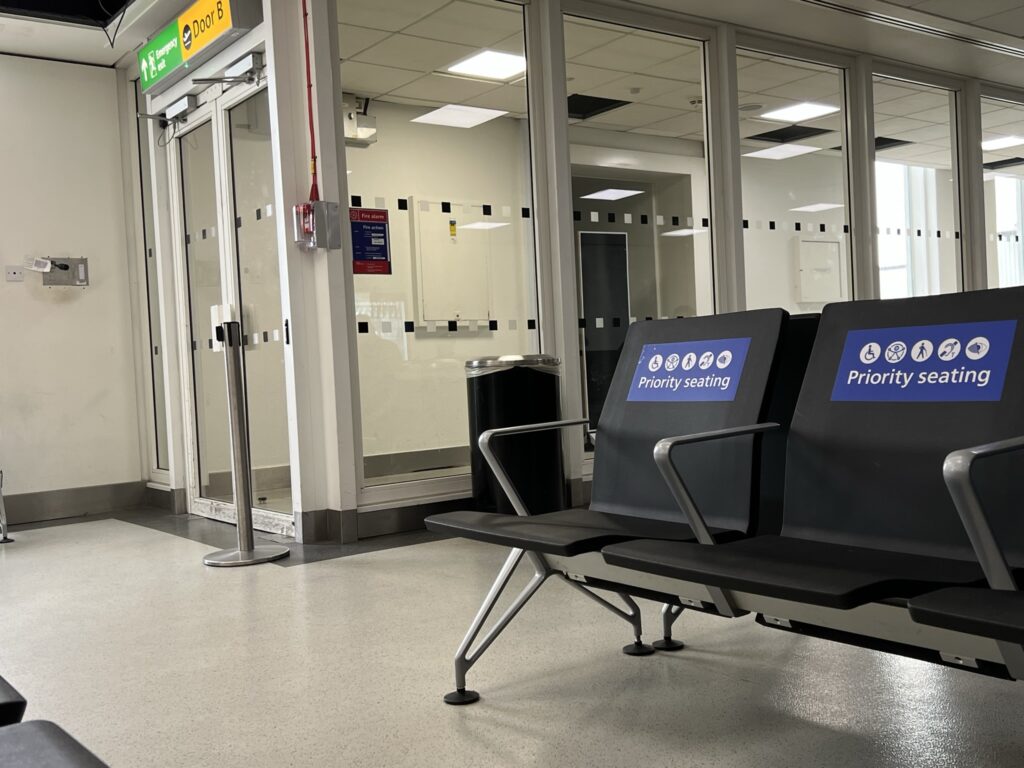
point(860, 130)
point(969, 173)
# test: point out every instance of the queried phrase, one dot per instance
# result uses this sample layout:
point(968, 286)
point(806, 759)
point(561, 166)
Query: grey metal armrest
point(956, 471)
point(663, 458)
point(499, 471)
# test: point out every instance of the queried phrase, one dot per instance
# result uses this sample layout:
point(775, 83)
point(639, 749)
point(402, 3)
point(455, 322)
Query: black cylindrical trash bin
point(510, 391)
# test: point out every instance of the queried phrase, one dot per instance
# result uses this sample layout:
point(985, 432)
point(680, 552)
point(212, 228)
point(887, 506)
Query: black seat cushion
point(41, 744)
point(986, 612)
point(814, 572)
point(568, 532)
point(12, 704)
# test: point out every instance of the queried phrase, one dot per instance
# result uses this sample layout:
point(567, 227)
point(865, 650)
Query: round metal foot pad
point(264, 553)
point(668, 644)
point(461, 696)
point(6, 540)
point(637, 648)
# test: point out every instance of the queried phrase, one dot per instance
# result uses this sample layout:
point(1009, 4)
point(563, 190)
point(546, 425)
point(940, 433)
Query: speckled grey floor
point(117, 632)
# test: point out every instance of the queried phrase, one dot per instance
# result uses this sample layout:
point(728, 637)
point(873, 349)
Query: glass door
point(229, 236)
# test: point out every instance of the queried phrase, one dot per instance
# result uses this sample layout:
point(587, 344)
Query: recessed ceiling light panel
point(799, 112)
point(782, 151)
point(491, 65)
point(816, 207)
point(612, 194)
point(459, 116)
point(1002, 143)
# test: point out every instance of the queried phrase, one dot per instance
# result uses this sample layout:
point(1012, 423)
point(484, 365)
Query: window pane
point(444, 248)
point(918, 237)
point(639, 183)
point(156, 347)
point(795, 211)
point(1002, 127)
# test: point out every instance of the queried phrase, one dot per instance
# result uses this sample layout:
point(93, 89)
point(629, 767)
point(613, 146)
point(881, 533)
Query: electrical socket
point(15, 274)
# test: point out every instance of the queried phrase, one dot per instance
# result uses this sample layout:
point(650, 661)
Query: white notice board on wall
point(452, 255)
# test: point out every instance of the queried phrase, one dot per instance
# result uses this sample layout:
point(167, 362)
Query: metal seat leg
point(669, 614)
point(4, 539)
point(632, 615)
point(464, 659)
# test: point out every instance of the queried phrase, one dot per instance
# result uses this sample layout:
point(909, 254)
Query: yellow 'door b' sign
point(201, 24)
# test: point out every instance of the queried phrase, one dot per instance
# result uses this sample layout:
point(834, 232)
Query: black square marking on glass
point(938, 233)
point(648, 318)
point(675, 221)
point(531, 324)
point(403, 204)
point(956, 235)
point(704, 222)
point(487, 209)
point(846, 229)
point(209, 343)
point(446, 207)
point(643, 218)
point(238, 222)
point(577, 215)
point(188, 239)
point(453, 325)
point(363, 327)
point(583, 322)
point(746, 224)
point(259, 214)
point(409, 326)
point(797, 226)
point(266, 336)
point(492, 325)
point(357, 201)
point(611, 217)
point(526, 213)
point(821, 228)
point(204, 234)
point(616, 322)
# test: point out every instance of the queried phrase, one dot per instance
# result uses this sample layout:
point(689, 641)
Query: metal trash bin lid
point(484, 365)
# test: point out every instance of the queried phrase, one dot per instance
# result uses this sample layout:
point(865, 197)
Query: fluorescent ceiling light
point(782, 151)
point(485, 225)
point(683, 232)
point(1001, 143)
point(816, 207)
point(492, 65)
point(612, 194)
point(458, 116)
point(800, 112)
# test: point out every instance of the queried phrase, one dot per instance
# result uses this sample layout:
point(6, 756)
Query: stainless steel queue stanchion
point(4, 539)
point(230, 333)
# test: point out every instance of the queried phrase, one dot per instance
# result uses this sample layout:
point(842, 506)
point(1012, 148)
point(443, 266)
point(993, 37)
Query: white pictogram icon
point(706, 360)
point(655, 364)
point(977, 348)
point(723, 359)
point(895, 352)
point(672, 362)
point(949, 349)
point(921, 351)
point(870, 352)
point(689, 360)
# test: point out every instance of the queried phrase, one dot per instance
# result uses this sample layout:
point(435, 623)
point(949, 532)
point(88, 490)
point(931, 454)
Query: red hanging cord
point(314, 190)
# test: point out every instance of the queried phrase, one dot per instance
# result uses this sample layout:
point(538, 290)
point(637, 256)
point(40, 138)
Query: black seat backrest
point(677, 377)
point(891, 389)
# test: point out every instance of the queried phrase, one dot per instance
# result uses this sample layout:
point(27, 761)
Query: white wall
point(68, 413)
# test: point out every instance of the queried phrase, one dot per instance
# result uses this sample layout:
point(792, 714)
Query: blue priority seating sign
point(698, 371)
point(953, 362)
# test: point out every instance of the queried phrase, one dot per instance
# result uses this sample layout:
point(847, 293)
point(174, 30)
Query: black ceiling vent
point(995, 165)
point(93, 13)
point(789, 133)
point(583, 107)
point(884, 142)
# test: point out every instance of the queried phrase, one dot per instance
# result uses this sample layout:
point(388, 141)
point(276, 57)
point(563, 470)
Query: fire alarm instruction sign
point(371, 242)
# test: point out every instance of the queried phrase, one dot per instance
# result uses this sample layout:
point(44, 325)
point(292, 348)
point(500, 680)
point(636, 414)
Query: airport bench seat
point(812, 572)
point(569, 532)
point(12, 704)
point(998, 614)
point(42, 744)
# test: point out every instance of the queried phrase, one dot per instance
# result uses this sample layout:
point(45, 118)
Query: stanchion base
point(461, 696)
point(668, 644)
point(264, 553)
point(6, 540)
point(638, 649)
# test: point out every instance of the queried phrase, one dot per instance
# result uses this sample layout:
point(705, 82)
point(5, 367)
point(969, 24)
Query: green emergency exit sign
point(160, 56)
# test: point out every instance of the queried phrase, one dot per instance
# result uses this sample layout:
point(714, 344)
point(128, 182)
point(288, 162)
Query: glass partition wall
point(438, 155)
point(1002, 145)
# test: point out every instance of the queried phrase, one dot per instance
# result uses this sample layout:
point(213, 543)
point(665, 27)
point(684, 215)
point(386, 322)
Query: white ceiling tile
point(632, 53)
point(372, 80)
point(634, 115)
point(916, 102)
point(688, 67)
point(461, 22)
point(392, 15)
point(512, 44)
point(407, 52)
point(822, 87)
point(965, 11)
point(678, 125)
point(1010, 22)
point(933, 133)
point(679, 98)
point(580, 38)
point(937, 115)
point(768, 74)
point(1001, 117)
point(355, 39)
point(507, 98)
point(450, 90)
point(580, 79)
point(885, 90)
point(634, 88)
point(893, 125)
